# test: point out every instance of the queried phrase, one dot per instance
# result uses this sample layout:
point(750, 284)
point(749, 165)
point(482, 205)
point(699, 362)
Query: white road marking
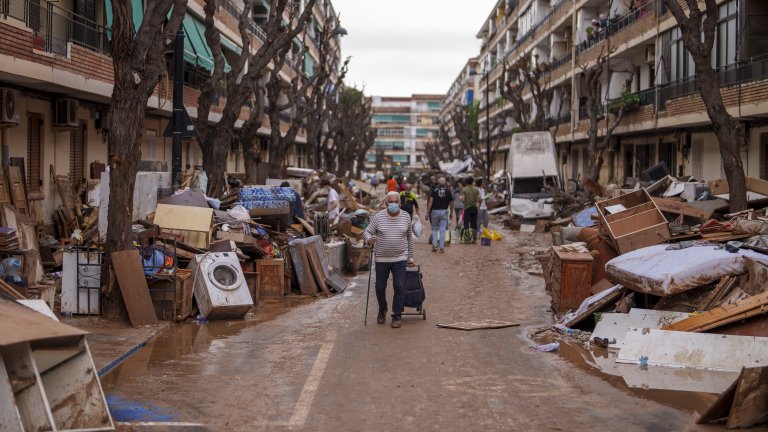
point(304, 404)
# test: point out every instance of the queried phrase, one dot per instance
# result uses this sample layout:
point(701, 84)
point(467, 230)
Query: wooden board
point(5, 194)
point(18, 190)
point(270, 278)
point(133, 286)
point(194, 223)
point(679, 207)
point(726, 314)
point(317, 269)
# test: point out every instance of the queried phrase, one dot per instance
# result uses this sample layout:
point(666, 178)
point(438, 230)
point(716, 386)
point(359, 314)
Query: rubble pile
point(663, 279)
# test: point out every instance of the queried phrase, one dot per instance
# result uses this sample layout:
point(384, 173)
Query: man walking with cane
point(389, 232)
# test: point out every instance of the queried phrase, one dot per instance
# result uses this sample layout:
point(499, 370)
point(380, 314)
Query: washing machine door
point(225, 276)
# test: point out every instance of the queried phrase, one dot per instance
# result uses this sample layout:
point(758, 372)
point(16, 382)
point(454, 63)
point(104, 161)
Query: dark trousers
point(470, 217)
point(398, 281)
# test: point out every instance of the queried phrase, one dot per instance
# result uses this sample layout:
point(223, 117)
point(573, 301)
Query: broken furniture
point(571, 278)
point(48, 381)
point(194, 225)
point(81, 281)
point(270, 281)
point(633, 221)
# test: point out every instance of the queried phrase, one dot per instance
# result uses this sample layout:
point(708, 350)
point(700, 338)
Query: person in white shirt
point(482, 216)
point(333, 200)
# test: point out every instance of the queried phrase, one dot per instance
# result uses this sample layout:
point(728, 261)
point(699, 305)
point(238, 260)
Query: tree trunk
point(730, 135)
point(274, 166)
point(251, 162)
point(215, 163)
point(125, 150)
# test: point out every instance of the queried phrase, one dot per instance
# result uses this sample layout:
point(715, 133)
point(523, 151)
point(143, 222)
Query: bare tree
point(215, 138)
point(593, 80)
point(440, 148)
point(467, 130)
point(139, 64)
point(698, 32)
point(350, 129)
point(527, 73)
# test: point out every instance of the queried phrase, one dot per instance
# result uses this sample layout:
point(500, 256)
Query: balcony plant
point(630, 102)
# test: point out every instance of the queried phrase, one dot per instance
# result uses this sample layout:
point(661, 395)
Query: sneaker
point(396, 321)
point(442, 250)
point(434, 249)
point(382, 317)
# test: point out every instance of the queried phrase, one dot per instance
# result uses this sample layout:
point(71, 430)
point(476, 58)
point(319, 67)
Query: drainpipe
point(178, 108)
point(6, 148)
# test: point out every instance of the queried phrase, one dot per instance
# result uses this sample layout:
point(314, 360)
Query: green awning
point(228, 44)
point(137, 6)
point(309, 65)
point(196, 50)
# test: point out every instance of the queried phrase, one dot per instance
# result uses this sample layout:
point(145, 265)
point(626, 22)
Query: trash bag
point(417, 228)
point(490, 234)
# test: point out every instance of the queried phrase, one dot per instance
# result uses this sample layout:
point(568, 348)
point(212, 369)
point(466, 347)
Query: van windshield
point(531, 187)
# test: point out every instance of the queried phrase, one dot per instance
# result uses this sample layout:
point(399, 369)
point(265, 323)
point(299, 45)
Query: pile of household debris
point(198, 254)
point(673, 290)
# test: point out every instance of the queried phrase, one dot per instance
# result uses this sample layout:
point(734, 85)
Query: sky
point(401, 47)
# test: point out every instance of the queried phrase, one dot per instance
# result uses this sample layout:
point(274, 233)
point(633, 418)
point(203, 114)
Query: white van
point(532, 160)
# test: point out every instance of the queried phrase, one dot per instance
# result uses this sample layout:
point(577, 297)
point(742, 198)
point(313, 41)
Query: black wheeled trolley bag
point(414, 291)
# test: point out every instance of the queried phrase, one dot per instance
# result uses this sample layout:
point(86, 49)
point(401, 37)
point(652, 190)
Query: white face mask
point(393, 207)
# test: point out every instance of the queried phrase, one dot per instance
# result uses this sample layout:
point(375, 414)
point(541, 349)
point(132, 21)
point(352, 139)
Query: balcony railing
point(754, 69)
point(616, 25)
point(53, 27)
point(235, 12)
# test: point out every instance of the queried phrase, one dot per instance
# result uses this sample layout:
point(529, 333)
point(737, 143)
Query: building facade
point(666, 120)
point(403, 125)
point(463, 91)
point(56, 79)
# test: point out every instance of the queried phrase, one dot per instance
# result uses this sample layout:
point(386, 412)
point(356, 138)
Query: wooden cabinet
point(635, 222)
point(571, 277)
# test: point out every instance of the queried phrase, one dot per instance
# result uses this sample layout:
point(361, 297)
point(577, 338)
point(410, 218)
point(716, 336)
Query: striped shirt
point(394, 238)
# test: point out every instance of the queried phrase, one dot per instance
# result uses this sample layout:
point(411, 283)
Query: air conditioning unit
point(650, 54)
point(9, 113)
point(65, 114)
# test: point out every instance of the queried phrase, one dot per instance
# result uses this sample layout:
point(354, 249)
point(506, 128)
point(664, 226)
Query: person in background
point(297, 210)
point(392, 184)
point(409, 202)
point(471, 197)
point(402, 186)
point(375, 181)
point(439, 209)
point(333, 200)
point(458, 204)
point(389, 232)
point(482, 216)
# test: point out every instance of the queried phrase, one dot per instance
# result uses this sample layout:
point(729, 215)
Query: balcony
point(54, 28)
point(235, 12)
point(754, 69)
point(617, 25)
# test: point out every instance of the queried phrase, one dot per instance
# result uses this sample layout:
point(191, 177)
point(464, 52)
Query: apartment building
point(463, 91)
point(667, 121)
point(56, 79)
point(403, 125)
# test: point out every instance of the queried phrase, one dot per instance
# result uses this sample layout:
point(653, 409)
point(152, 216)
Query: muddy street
point(313, 365)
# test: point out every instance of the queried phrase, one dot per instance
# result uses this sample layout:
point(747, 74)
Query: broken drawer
point(571, 278)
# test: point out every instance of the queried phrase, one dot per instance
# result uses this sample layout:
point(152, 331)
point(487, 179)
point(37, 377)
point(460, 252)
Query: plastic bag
point(417, 228)
point(491, 234)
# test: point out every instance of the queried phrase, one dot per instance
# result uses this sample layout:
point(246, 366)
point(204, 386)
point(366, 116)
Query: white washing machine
point(220, 288)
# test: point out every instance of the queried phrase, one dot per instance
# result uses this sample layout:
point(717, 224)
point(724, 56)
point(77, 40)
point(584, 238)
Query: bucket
point(485, 241)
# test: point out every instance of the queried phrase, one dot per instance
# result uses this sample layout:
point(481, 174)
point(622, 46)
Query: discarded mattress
point(655, 270)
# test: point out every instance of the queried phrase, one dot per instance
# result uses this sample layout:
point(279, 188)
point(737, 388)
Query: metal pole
point(487, 127)
point(178, 107)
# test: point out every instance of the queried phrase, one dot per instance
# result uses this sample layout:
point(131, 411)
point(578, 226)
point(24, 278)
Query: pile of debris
point(667, 281)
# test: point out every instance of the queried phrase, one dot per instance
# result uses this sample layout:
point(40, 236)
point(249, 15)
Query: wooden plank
point(5, 194)
point(629, 212)
point(193, 222)
point(679, 207)
point(271, 281)
point(307, 226)
point(596, 307)
point(18, 190)
point(317, 269)
point(722, 315)
point(11, 291)
point(133, 286)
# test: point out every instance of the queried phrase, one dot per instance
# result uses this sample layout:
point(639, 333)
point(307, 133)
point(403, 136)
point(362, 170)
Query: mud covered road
point(317, 368)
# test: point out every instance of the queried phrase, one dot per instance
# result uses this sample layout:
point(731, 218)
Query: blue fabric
point(439, 220)
point(298, 207)
point(383, 269)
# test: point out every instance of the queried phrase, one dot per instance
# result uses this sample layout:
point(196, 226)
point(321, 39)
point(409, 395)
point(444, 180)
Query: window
point(77, 153)
point(726, 35)
point(668, 155)
point(34, 152)
point(151, 145)
point(680, 61)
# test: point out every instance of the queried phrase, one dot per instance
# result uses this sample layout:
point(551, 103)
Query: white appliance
point(219, 286)
point(81, 282)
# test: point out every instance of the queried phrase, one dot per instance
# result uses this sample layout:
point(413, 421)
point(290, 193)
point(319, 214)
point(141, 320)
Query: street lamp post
point(487, 127)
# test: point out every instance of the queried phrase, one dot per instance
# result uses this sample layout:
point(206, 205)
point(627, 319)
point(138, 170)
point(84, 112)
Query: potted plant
point(630, 102)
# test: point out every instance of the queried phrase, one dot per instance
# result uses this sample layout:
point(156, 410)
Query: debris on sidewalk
point(744, 403)
point(478, 325)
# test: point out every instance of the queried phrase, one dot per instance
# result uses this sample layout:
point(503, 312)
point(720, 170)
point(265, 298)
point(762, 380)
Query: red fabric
point(391, 185)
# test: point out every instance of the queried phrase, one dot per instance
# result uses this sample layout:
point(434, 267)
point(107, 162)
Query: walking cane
point(368, 296)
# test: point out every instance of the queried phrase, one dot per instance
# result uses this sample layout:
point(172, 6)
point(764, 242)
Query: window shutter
point(34, 152)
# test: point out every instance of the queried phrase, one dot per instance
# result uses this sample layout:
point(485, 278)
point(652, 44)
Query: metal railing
point(235, 11)
point(53, 27)
point(616, 25)
point(560, 61)
point(753, 69)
